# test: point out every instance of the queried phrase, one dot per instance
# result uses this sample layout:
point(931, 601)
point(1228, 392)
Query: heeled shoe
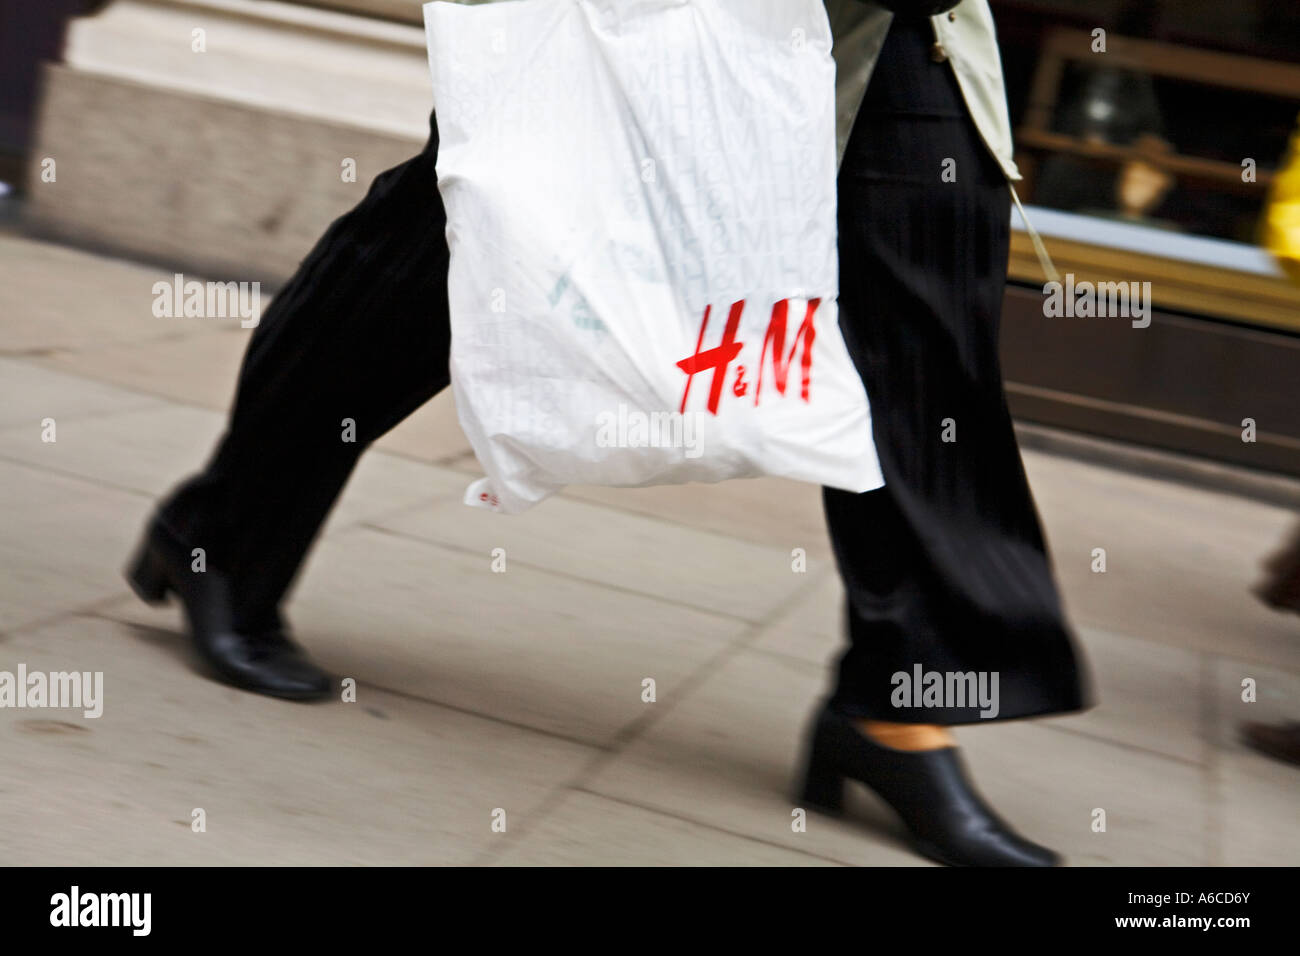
point(265, 660)
point(947, 820)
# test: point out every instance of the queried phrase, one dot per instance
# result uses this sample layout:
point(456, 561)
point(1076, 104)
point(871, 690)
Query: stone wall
point(228, 159)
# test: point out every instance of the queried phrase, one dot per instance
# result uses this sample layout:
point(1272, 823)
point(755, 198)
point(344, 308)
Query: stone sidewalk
point(522, 690)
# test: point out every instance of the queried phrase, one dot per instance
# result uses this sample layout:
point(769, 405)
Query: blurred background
point(144, 137)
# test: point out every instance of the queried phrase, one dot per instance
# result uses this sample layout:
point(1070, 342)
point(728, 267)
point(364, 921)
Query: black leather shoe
point(947, 819)
point(263, 660)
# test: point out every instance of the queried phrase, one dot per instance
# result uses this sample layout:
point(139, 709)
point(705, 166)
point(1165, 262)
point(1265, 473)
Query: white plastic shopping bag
point(641, 204)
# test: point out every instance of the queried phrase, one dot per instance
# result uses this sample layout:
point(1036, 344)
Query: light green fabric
point(968, 38)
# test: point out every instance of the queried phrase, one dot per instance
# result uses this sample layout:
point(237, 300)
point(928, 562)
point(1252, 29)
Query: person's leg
point(944, 567)
point(1280, 588)
point(357, 340)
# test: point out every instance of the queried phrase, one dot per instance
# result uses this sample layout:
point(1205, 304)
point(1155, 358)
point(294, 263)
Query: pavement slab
point(385, 780)
point(620, 549)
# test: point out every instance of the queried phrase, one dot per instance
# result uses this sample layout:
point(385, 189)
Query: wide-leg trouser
point(361, 332)
point(945, 567)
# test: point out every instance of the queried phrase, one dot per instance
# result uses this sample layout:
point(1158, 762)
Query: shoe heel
point(146, 578)
point(823, 785)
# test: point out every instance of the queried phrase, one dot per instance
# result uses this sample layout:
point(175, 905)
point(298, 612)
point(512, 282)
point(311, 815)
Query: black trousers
point(945, 567)
point(361, 332)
